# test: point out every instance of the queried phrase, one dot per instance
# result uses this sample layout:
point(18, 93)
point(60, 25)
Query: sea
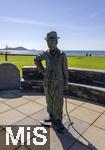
point(67, 52)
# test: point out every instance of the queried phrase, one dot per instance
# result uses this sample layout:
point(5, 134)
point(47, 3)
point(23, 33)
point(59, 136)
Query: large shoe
point(58, 126)
point(46, 124)
point(47, 121)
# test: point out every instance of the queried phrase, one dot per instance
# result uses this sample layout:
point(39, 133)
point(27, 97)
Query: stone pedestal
point(9, 77)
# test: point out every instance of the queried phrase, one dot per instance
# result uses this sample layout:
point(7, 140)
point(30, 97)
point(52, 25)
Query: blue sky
point(79, 23)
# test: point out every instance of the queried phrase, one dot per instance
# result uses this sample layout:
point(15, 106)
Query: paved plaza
point(28, 108)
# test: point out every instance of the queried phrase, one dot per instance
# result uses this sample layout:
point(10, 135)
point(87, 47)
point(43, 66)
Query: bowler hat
point(51, 35)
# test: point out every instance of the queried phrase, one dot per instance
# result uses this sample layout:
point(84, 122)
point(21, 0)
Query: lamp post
point(6, 53)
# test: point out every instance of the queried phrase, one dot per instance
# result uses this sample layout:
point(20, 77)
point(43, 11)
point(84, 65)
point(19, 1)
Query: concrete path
point(26, 108)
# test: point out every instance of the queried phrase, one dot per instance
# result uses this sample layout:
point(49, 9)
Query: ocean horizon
point(67, 52)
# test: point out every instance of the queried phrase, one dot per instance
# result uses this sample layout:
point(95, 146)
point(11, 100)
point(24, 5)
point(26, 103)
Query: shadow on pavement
point(67, 140)
point(12, 94)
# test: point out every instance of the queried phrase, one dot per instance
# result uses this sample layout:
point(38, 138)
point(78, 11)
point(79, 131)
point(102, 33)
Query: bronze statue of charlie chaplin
point(55, 78)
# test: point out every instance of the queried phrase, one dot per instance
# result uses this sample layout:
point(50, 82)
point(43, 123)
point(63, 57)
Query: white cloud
point(69, 26)
point(28, 22)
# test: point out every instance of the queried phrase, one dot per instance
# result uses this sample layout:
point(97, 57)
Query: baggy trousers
point(54, 98)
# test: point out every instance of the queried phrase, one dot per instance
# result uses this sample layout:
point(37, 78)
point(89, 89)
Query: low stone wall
point(31, 73)
point(83, 76)
point(92, 93)
point(9, 77)
point(87, 76)
point(84, 83)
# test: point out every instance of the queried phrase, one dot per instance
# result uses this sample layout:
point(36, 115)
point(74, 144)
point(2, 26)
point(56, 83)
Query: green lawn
point(19, 61)
point(91, 62)
point(73, 61)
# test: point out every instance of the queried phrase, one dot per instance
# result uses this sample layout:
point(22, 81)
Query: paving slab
point(96, 137)
point(79, 125)
point(27, 121)
point(16, 102)
point(19, 108)
point(75, 101)
point(30, 108)
point(32, 97)
point(4, 108)
point(40, 115)
point(2, 99)
point(94, 107)
point(100, 122)
point(70, 107)
point(84, 114)
point(41, 101)
point(10, 117)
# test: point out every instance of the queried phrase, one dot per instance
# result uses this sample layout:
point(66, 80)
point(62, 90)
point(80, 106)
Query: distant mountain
point(15, 48)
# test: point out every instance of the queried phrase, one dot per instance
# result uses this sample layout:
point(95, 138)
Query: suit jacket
point(56, 65)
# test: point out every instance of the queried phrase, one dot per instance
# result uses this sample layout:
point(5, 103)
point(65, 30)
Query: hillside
point(15, 48)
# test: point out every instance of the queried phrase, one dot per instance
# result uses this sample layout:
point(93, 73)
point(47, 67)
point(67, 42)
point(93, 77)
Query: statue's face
point(52, 43)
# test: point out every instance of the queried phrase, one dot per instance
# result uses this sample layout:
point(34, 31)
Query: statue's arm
point(38, 62)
